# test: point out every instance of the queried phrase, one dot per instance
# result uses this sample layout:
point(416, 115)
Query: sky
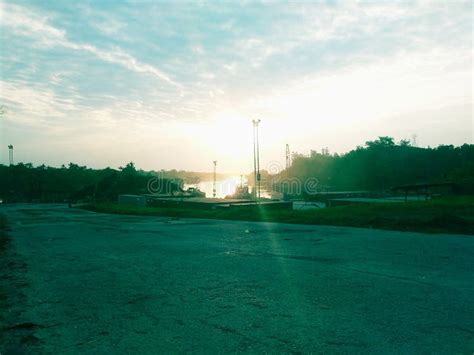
point(175, 85)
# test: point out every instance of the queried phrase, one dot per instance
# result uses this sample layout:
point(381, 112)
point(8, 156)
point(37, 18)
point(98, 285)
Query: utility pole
point(214, 182)
point(10, 154)
point(288, 157)
point(256, 159)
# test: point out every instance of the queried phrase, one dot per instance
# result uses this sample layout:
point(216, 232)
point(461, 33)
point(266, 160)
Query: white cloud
point(407, 82)
point(34, 102)
point(24, 22)
point(320, 71)
point(27, 23)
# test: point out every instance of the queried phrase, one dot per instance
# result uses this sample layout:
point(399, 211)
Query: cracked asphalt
point(95, 283)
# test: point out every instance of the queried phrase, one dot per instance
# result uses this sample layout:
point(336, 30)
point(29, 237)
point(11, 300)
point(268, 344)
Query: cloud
point(309, 70)
point(34, 102)
point(118, 56)
point(24, 22)
point(406, 83)
point(27, 23)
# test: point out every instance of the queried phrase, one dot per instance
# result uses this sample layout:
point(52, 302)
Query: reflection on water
point(224, 187)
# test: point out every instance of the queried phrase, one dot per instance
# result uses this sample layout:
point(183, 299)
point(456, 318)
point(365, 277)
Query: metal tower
point(10, 154)
point(214, 181)
point(288, 157)
point(256, 159)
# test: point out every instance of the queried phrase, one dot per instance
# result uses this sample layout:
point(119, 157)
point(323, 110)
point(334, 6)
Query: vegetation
point(377, 166)
point(450, 215)
point(26, 183)
point(382, 164)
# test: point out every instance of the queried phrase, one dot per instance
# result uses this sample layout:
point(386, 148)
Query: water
point(225, 187)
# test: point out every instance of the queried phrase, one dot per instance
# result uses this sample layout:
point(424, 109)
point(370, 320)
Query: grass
point(449, 215)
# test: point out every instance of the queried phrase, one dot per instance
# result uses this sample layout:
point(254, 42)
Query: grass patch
point(450, 215)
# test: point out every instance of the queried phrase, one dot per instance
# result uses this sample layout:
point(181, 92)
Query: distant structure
point(256, 159)
point(10, 154)
point(288, 156)
point(214, 181)
point(413, 140)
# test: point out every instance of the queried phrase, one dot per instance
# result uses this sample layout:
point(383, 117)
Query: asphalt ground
point(81, 282)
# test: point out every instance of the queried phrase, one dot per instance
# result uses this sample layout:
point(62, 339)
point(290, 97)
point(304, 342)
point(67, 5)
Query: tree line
point(27, 183)
point(376, 166)
point(382, 164)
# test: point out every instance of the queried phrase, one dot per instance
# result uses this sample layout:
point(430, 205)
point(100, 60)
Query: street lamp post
point(214, 182)
point(256, 159)
point(10, 154)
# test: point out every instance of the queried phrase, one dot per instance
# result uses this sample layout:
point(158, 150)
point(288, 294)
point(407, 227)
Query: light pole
point(10, 154)
point(214, 182)
point(256, 159)
point(288, 157)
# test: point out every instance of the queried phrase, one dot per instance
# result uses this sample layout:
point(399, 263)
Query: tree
point(404, 143)
point(381, 142)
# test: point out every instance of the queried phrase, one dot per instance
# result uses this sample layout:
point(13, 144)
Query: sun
point(230, 135)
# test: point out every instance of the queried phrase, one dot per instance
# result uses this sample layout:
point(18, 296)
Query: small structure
point(428, 190)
